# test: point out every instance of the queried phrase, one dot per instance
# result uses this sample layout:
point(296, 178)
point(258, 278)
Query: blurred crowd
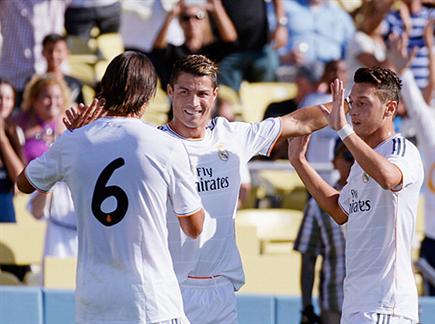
point(305, 42)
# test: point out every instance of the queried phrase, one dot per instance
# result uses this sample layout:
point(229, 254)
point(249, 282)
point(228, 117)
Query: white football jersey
point(122, 173)
point(380, 231)
point(217, 160)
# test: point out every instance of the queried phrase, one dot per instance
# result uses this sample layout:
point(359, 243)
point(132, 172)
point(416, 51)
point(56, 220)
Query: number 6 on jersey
point(102, 192)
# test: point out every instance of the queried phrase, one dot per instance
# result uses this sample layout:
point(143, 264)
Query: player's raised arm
point(325, 195)
point(384, 172)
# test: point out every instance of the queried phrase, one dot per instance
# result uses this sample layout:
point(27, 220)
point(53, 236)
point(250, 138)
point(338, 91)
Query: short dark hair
point(129, 82)
point(197, 65)
point(386, 82)
point(53, 38)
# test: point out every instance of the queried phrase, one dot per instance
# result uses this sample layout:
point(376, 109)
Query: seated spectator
point(412, 19)
point(11, 158)
point(45, 99)
point(194, 23)
point(319, 31)
point(320, 235)
point(82, 15)
point(253, 58)
point(55, 52)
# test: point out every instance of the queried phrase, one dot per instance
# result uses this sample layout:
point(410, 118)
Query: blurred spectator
point(11, 158)
point(23, 24)
point(253, 59)
point(321, 146)
point(194, 22)
point(45, 99)
point(141, 21)
point(319, 31)
point(367, 47)
point(412, 18)
point(318, 235)
point(55, 52)
point(422, 117)
point(82, 15)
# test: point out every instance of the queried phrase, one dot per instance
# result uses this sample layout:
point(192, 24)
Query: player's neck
point(186, 132)
point(379, 136)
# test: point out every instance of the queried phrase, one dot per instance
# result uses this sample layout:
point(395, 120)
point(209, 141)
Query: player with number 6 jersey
point(124, 176)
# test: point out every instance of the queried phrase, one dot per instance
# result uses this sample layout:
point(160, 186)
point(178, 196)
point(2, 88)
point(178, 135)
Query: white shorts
point(209, 301)
point(374, 318)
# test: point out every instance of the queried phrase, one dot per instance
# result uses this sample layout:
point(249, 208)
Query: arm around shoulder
point(192, 224)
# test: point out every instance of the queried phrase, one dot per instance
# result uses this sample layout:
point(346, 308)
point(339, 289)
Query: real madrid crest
point(365, 177)
point(223, 153)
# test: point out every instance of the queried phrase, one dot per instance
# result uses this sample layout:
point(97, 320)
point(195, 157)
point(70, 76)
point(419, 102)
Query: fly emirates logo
point(207, 182)
point(357, 205)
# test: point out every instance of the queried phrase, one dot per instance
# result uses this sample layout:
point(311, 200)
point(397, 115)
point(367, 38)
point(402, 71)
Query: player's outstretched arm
point(192, 224)
point(325, 195)
point(385, 173)
point(84, 114)
point(24, 184)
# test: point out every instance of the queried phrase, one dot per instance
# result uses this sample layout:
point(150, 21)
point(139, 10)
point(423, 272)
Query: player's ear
point(169, 90)
point(391, 109)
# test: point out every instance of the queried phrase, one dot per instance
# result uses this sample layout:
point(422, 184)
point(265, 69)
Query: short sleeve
point(258, 138)
point(182, 189)
point(308, 239)
point(44, 171)
point(405, 156)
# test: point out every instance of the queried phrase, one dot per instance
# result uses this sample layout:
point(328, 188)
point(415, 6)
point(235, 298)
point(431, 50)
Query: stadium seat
point(22, 215)
point(109, 45)
point(255, 97)
point(79, 46)
point(274, 224)
point(8, 279)
point(60, 273)
point(19, 305)
point(82, 71)
point(21, 244)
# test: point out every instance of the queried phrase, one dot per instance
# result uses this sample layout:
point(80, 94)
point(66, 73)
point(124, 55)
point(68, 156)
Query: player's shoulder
point(400, 146)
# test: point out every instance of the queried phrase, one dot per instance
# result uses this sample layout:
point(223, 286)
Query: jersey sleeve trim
point(188, 214)
point(33, 184)
point(342, 208)
point(276, 138)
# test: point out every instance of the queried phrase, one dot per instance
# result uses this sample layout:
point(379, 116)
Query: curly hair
point(387, 83)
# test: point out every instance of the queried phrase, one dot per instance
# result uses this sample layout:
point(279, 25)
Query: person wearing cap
point(320, 235)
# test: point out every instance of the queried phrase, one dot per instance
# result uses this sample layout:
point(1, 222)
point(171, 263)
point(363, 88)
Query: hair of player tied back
point(196, 65)
point(129, 83)
point(387, 83)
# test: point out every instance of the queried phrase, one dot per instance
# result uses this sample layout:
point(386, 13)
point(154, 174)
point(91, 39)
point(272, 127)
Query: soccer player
point(124, 176)
point(379, 201)
point(210, 269)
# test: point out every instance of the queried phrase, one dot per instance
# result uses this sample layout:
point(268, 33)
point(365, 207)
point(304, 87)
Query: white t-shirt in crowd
point(380, 230)
point(422, 117)
point(122, 173)
point(217, 160)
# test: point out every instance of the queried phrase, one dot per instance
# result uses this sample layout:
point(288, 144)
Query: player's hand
point(309, 317)
point(84, 114)
point(337, 116)
point(297, 148)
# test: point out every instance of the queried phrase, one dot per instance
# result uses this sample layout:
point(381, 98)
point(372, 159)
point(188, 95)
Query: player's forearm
point(23, 183)
point(385, 173)
point(325, 195)
point(305, 120)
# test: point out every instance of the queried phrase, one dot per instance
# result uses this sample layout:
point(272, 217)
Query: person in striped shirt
point(320, 235)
